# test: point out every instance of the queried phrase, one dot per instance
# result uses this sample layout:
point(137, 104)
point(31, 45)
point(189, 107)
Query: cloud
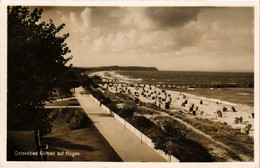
point(135, 18)
point(86, 16)
point(73, 18)
point(171, 17)
point(181, 36)
point(226, 30)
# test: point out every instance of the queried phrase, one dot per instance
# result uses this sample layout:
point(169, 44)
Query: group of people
point(166, 99)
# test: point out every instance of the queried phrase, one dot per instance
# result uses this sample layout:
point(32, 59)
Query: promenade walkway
point(53, 107)
point(124, 142)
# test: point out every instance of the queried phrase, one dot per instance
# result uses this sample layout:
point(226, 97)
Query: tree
point(69, 80)
point(36, 63)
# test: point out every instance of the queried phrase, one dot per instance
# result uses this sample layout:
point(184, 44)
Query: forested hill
point(116, 68)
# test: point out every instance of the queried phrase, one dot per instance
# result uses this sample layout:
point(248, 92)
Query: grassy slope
point(88, 141)
point(241, 143)
point(221, 132)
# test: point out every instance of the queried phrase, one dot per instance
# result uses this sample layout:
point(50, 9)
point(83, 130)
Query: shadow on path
point(61, 143)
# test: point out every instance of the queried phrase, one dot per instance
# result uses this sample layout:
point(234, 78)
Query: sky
point(169, 38)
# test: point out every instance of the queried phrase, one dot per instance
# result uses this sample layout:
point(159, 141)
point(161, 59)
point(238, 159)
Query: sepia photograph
point(154, 84)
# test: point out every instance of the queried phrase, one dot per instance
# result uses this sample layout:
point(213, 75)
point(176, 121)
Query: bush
point(143, 122)
point(97, 94)
point(174, 142)
point(106, 101)
point(54, 116)
point(79, 120)
point(112, 106)
point(68, 116)
point(126, 112)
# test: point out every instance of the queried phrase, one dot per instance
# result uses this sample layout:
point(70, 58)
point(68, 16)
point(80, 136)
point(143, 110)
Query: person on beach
point(236, 120)
point(183, 104)
point(248, 128)
point(197, 108)
point(233, 109)
point(240, 119)
point(186, 101)
point(219, 113)
point(194, 113)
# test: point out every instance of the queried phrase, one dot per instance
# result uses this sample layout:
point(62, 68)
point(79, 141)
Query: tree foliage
point(69, 80)
point(36, 63)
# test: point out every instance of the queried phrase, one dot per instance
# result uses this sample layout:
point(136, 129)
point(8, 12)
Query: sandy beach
point(239, 118)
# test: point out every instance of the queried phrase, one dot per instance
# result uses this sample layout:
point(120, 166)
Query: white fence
point(140, 135)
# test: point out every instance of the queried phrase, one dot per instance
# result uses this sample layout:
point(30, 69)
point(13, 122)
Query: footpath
point(124, 142)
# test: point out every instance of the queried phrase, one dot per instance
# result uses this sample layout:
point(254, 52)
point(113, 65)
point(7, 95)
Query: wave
point(216, 100)
point(244, 94)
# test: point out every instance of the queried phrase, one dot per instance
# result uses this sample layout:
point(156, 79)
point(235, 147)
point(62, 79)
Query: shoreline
point(121, 78)
point(208, 110)
point(214, 100)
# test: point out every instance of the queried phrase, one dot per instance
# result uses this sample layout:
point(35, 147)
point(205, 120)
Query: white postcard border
point(3, 83)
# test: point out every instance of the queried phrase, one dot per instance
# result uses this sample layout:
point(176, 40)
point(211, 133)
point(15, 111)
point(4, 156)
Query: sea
point(242, 96)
